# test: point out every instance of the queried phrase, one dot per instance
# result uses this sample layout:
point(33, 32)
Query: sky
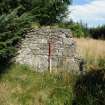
point(91, 12)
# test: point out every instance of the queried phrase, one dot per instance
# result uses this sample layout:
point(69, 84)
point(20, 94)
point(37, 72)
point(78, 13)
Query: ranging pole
point(49, 57)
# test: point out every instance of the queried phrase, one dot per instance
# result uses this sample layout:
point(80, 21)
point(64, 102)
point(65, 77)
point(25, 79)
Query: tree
point(18, 15)
point(12, 28)
point(97, 32)
point(78, 29)
point(44, 11)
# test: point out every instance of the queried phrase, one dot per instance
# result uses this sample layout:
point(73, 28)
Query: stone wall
point(34, 49)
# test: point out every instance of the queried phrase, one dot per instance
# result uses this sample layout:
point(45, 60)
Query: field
point(93, 52)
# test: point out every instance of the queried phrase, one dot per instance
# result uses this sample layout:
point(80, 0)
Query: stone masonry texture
point(34, 50)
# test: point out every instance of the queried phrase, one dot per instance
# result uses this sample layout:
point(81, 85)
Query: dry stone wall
point(34, 50)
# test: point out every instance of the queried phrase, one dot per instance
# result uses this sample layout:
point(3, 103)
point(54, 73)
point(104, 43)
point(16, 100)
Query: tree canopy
point(44, 11)
point(18, 15)
point(97, 32)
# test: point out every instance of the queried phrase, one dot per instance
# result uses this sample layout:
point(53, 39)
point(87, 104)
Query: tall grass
point(22, 86)
point(90, 88)
point(93, 51)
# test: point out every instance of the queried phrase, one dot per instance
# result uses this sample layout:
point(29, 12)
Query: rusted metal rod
point(49, 58)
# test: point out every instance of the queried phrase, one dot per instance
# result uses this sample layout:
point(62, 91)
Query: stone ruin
point(43, 44)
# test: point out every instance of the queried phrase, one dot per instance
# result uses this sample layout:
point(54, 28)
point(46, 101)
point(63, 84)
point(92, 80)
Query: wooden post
point(49, 57)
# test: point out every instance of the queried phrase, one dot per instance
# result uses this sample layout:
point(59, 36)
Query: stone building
point(51, 48)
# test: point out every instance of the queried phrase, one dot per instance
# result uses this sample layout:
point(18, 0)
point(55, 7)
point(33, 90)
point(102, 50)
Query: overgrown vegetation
point(22, 86)
point(90, 88)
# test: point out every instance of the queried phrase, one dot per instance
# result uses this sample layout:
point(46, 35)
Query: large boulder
point(44, 47)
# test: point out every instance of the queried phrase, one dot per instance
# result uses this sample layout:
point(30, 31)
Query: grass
point(22, 86)
point(19, 85)
point(93, 51)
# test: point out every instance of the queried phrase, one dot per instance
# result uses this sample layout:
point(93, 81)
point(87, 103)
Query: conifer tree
point(17, 15)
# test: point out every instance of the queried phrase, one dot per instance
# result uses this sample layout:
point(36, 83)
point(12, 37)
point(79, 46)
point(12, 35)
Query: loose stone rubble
point(34, 50)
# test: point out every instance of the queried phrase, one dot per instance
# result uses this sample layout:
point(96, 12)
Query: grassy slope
point(21, 86)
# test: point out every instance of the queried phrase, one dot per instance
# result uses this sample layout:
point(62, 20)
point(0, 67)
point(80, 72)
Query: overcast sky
point(91, 12)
